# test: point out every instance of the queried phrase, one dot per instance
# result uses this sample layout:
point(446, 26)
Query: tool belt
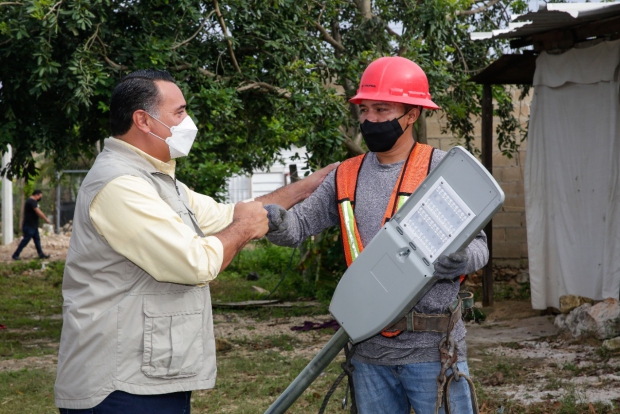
point(420, 322)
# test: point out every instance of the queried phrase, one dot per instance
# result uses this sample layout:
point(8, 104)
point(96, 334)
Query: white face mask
point(182, 138)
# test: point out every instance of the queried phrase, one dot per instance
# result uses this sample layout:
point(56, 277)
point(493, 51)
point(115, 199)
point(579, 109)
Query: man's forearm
point(40, 214)
point(249, 223)
point(233, 238)
point(292, 194)
point(286, 196)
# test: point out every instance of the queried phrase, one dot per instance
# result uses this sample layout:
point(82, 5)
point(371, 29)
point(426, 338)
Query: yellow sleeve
point(212, 216)
point(139, 225)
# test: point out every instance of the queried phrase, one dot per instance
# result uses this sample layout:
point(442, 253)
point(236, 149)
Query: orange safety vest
point(414, 171)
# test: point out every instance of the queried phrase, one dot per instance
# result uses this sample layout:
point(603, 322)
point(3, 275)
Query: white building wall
point(263, 182)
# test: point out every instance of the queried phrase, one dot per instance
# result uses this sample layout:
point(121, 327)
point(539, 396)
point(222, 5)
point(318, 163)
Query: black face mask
point(381, 136)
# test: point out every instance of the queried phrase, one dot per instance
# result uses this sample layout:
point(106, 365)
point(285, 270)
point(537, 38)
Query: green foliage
point(275, 266)
point(258, 75)
point(264, 257)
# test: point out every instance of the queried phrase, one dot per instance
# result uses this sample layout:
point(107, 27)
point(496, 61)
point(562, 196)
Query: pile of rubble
point(583, 316)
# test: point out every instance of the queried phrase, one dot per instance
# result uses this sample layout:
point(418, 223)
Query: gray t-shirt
point(374, 187)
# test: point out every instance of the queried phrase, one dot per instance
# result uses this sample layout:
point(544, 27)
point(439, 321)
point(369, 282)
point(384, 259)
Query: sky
point(535, 3)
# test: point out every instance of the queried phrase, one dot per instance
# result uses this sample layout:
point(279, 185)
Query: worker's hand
point(253, 216)
point(276, 216)
point(311, 182)
point(451, 266)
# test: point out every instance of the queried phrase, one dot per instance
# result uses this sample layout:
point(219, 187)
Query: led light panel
point(436, 218)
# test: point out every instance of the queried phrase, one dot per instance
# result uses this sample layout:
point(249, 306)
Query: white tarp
point(572, 180)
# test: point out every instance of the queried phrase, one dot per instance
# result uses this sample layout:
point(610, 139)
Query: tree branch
point(223, 25)
point(328, 38)
point(478, 10)
point(107, 59)
point(11, 3)
point(352, 147)
point(178, 45)
point(91, 39)
point(262, 86)
point(390, 31)
point(52, 9)
point(466, 68)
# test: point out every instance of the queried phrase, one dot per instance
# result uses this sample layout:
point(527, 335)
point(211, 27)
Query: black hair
point(37, 192)
point(135, 91)
point(409, 107)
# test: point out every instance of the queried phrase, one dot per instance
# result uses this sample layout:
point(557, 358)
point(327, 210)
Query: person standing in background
point(30, 226)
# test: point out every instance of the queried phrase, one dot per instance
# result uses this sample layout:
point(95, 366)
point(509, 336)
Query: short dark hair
point(37, 192)
point(409, 107)
point(135, 91)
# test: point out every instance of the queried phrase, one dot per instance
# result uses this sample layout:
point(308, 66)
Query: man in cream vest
point(137, 332)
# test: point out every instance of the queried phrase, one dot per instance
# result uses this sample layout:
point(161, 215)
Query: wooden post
point(7, 200)
point(487, 161)
point(294, 176)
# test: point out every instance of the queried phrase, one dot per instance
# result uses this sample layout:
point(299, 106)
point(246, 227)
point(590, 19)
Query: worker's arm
point(139, 225)
point(294, 193)
point(310, 217)
point(465, 261)
point(40, 214)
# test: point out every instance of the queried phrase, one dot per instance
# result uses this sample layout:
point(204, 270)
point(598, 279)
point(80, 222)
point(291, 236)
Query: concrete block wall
point(509, 227)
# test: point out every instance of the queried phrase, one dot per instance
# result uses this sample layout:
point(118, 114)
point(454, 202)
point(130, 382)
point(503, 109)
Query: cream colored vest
point(122, 329)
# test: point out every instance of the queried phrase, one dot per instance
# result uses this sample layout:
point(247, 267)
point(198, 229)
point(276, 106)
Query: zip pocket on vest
point(173, 334)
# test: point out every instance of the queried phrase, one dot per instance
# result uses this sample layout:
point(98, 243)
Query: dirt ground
point(55, 245)
point(515, 353)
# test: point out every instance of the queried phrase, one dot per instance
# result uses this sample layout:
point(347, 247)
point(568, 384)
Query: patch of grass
point(275, 266)
point(569, 366)
point(512, 369)
point(30, 308)
point(266, 313)
point(251, 385)
point(27, 391)
point(282, 342)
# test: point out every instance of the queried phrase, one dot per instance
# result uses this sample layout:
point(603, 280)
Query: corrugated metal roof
point(552, 16)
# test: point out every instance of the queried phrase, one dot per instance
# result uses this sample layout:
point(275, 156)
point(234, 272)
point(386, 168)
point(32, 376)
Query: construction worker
point(396, 370)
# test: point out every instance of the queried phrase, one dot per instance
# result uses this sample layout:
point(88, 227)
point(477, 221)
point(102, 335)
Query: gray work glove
point(276, 216)
point(451, 266)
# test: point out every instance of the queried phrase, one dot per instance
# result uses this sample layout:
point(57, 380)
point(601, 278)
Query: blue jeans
point(395, 389)
point(29, 233)
point(120, 402)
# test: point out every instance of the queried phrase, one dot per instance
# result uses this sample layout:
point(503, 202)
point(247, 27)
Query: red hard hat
point(394, 79)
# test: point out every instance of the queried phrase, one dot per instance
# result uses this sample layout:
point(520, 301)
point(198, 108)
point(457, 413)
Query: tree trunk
point(421, 131)
point(366, 9)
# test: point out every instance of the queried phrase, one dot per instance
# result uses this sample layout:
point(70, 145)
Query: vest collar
point(149, 163)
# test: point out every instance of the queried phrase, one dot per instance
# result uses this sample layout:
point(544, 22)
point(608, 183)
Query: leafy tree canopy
point(258, 75)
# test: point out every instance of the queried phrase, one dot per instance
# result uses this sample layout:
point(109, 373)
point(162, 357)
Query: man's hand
point(311, 182)
point(249, 223)
point(451, 266)
point(253, 216)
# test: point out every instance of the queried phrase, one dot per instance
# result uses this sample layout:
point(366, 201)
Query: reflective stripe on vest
point(414, 171)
